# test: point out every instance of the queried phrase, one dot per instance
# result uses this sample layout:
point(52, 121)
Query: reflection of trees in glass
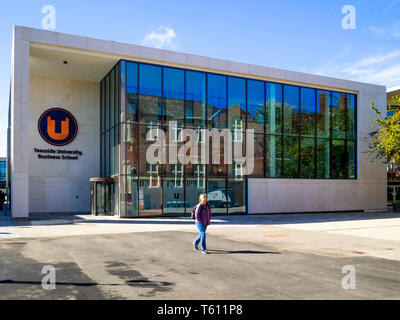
point(291, 109)
point(258, 114)
point(307, 112)
point(323, 159)
point(274, 156)
point(351, 159)
point(339, 160)
point(292, 118)
point(307, 124)
point(307, 158)
point(291, 157)
point(351, 116)
point(338, 116)
point(351, 125)
point(273, 116)
point(323, 113)
point(131, 106)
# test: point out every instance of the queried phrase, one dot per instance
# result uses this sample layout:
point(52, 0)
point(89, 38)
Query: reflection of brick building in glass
point(285, 136)
point(293, 131)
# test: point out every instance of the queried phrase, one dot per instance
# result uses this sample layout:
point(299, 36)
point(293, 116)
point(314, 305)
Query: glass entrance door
point(102, 196)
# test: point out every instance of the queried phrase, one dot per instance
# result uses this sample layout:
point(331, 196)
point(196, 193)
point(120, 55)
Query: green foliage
point(385, 142)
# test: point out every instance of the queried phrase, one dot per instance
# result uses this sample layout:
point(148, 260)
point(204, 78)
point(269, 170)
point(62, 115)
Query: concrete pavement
point(333, 234)
point(252, 257)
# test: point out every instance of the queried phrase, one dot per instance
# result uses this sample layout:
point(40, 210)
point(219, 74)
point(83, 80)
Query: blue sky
point(304, 36)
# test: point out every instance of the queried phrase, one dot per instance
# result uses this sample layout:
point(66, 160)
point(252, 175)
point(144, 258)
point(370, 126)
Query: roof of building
point(48, 48)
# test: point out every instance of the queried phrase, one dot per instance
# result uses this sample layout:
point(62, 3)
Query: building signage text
point(58, 154)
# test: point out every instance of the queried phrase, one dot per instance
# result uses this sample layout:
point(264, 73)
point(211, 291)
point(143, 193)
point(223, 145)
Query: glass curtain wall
point(299, 133)
point(110, 137)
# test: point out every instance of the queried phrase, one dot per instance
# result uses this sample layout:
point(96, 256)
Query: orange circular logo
point(57, 127)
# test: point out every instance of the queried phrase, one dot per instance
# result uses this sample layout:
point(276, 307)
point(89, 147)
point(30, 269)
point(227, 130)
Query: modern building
point(84, 113)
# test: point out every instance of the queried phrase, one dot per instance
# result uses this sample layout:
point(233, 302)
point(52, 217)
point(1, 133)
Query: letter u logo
point(57, 126)
point(51, 129)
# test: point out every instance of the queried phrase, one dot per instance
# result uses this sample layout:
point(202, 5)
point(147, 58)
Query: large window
point(307, 158)
point(351, 116)
point(339, 160)
point(3, 173)
point(132, 89)
point(217, 196)
point(291, 109)
point(299, 133)
point(307, 116)
point(151, 109)
point(258, 158)
point(195, 102)
point(236, 197)
point(274, 115)
point(351, 159)
point(323, 113)
point(109, 122)
point(273, 152)
point(323, 158)
point(339, 116)
point(216, 104)
point(255, 105)
point(291, 157)
point(236, 105)
point(174, 94)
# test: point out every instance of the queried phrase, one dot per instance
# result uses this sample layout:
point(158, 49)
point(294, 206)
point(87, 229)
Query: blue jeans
point(201, 237)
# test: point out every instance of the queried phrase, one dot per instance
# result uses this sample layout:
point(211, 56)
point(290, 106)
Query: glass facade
point(3, 174)
point(299, 133)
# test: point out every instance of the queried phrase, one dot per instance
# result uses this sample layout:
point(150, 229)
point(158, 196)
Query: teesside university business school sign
point(57, 127)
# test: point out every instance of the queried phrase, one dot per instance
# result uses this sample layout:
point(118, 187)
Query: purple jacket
point(203, 214)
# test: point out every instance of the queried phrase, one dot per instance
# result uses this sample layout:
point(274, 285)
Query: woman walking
point(202, 218)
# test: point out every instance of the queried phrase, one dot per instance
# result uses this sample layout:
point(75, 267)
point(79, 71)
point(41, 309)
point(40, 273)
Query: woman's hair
point(201, 196)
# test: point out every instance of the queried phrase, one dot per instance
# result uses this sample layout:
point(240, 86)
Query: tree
point(385, 143)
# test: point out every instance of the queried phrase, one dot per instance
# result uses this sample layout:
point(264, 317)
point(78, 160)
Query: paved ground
point(252, 257)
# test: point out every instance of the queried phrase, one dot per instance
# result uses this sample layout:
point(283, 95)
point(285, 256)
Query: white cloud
point(162, 38)
point(374, 59)
point(388, 32)
point(382, 69)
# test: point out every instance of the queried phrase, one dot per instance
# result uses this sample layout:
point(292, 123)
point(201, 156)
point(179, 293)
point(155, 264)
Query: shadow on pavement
point(135, 282)
point(78, 284)
point(211, 251)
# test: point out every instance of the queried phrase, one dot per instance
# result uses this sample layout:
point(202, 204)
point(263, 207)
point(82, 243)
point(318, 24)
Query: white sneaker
point(205, 252)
